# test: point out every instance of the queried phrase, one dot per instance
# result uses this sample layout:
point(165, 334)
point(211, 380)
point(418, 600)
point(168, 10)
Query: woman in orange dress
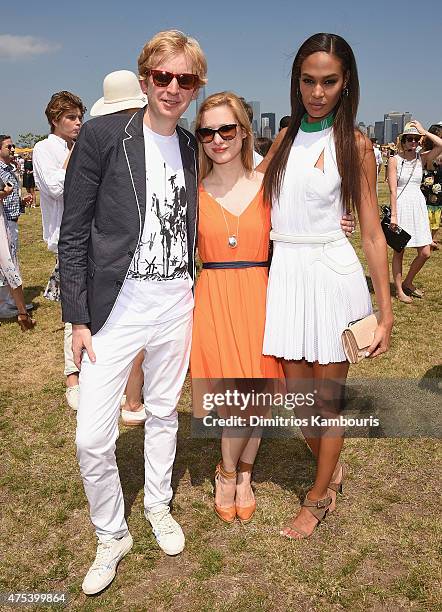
point(230, 297)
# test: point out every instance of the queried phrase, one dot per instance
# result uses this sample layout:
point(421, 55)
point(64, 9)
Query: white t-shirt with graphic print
point(158, 287)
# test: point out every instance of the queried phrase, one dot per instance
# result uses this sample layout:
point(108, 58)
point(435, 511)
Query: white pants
point(69, 364)
point(167, 348)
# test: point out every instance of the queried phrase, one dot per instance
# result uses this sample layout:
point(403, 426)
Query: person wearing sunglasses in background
point(408, 206)
point(126, 250)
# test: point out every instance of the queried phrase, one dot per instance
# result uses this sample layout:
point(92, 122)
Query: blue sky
point(49, 46)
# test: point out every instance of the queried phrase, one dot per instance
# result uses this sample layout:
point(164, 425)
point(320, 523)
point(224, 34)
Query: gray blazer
point(104, 212)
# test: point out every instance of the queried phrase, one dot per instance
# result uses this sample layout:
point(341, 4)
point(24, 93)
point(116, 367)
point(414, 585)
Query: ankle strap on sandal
point(244, 467)
point(220, 470)
point(319, 507)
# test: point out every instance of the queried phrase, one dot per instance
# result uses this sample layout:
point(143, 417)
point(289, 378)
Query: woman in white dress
point(322, 167)
point(408, 206)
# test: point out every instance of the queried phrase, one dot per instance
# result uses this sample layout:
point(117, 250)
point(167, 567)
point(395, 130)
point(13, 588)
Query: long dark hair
point(347, 153)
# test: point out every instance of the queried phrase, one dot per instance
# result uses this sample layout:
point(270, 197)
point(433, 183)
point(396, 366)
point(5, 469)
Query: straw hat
point(410, 130)
point(121, 91)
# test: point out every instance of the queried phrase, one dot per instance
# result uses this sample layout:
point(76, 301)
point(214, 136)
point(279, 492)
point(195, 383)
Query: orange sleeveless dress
point(229, 315)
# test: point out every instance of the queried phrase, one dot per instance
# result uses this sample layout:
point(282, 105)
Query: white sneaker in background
point(168, 533)
point(73, 396)
point(103, 570)
point(134, 418)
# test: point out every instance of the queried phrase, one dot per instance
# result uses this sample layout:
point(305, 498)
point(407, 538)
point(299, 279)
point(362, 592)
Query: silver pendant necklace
point(232, 240)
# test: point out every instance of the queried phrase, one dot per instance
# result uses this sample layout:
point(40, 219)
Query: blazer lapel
point(133, 144)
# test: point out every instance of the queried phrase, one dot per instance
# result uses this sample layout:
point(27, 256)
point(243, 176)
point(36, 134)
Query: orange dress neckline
point(202, 188)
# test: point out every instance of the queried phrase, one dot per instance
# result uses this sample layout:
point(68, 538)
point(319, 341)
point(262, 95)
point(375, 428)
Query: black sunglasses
point(162, 78)
point(412, 138)
point(227, 132)
point(10, 146)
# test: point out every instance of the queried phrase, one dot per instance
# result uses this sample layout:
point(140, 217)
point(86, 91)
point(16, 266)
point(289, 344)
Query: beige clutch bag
point(358, 336)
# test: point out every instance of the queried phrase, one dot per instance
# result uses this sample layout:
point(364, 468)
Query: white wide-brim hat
point(121, 91)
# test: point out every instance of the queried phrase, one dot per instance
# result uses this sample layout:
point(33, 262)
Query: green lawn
point(378, 551)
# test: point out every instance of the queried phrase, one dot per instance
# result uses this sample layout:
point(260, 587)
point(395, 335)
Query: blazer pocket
point(90, 267)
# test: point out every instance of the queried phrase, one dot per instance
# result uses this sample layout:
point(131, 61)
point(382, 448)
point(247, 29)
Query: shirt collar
point(58, 140)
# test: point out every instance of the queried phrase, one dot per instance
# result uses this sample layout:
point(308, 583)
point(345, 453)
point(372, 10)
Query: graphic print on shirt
point(162, 251)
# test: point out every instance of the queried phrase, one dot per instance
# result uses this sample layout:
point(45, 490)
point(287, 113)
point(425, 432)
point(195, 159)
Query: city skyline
point(54, 49)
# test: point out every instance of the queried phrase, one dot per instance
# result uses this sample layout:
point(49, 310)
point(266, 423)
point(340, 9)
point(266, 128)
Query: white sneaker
point(168, 533)
point(133, 418)
point(104, 568)
point(73, 396)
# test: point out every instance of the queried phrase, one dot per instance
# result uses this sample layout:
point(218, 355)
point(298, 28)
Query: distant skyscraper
point(387, 129)
point(256, 123)
point(272, 123)
point(394, 124)
point(407, 118)
point(362, 127)
point(397, 118)
point(379, 131)
point(370, 131)
point(201, 97)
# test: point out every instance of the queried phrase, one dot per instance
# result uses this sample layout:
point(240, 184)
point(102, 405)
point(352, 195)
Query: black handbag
point(396, 237)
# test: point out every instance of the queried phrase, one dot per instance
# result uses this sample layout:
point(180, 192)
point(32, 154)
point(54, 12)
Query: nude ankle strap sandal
point(338, 486)
point(318, 508)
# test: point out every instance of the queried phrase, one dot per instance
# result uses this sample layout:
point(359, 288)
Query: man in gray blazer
point(126, 251)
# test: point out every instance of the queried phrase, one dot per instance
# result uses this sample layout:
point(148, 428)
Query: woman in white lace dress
point(408, 206)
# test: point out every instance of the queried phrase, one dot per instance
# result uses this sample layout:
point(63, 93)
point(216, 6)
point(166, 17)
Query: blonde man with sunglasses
point(126, 250)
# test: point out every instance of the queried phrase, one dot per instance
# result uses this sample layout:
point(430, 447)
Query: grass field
point(378, 551)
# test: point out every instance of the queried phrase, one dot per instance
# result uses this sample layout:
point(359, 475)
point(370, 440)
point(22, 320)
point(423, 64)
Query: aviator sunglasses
point(162, 78)
point(227, 132)
point(412, 138)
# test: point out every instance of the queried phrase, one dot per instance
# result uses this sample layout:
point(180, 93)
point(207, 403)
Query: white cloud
point(13, 47)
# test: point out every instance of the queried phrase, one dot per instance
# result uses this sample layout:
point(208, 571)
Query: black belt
point(221, 265)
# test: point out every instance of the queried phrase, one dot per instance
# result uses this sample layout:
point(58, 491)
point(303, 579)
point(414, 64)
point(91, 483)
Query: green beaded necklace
point(317, 126)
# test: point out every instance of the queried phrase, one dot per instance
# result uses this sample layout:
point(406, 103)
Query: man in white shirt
point(50, 157)
point(126, 248)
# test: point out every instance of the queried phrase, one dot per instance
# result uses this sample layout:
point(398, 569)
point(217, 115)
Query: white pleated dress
point(412, 214)
point(316, 282)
